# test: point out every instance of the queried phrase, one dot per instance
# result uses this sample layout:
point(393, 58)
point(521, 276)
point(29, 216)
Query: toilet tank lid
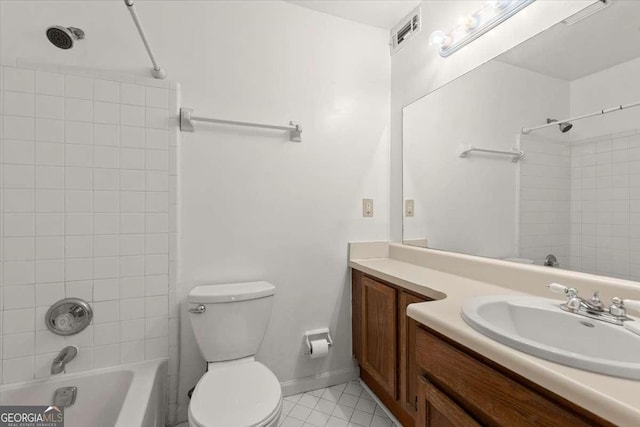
point(230, 292)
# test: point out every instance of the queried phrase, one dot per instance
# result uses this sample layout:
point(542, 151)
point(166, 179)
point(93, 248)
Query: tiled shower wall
point(544, 199)
point(605, 201)
point(88, 210)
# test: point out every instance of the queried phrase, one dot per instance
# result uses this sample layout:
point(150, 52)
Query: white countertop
point(614, 399)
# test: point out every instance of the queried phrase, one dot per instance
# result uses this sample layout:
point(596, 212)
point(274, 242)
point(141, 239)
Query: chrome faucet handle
point(596, 302)
point(557, 288)
point(617, 308)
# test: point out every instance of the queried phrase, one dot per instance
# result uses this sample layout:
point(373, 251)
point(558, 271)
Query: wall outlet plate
point(367, 208)
point(409, 207)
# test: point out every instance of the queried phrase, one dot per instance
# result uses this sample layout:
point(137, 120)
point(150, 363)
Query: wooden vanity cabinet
point(383, 343)
point(458, 387)
point(428, 380)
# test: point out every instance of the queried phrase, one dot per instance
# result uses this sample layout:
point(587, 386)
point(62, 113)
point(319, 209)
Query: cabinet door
point(407, 336)
point(436, 409)
point(378, 325)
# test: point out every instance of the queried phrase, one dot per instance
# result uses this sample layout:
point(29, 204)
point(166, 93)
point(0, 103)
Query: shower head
point(564, 126)
point(64, 37)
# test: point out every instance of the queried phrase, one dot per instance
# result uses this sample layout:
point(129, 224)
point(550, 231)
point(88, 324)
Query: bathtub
point(123, 396)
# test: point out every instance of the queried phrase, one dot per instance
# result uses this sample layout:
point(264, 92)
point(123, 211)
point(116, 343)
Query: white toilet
point(229, 322)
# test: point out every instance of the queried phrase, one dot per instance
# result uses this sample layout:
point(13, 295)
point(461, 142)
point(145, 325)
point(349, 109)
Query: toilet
point(229, 322)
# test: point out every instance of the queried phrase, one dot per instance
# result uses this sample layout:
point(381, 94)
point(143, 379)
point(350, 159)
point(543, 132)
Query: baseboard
point(315, 382)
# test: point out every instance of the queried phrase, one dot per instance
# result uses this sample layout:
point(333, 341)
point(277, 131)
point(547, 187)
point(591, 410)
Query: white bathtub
point(123, 396)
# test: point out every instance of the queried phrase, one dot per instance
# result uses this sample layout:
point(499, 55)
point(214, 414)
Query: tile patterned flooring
point(343, 405)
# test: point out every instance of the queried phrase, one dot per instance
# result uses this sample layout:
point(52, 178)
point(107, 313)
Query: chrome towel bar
point(187, 118)
point(515, 154)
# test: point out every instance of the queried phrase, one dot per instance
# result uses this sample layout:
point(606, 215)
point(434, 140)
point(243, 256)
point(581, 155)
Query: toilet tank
point(232, 319)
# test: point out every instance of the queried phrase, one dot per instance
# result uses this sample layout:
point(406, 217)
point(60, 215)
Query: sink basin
point(539, 327)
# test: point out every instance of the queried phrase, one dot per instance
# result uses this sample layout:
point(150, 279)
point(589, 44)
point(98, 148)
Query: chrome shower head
point(64, 37)
point(564, 126)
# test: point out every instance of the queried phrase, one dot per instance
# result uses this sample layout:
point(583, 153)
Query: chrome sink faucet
point(594, 308)
point(60, 362)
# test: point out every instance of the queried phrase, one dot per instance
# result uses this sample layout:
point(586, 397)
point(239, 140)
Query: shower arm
point(158, 72)
point(586, 116)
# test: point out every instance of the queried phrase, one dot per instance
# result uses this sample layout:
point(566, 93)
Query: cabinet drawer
point(487, 394)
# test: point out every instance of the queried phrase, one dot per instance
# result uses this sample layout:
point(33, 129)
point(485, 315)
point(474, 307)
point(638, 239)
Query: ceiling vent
point(405, 30)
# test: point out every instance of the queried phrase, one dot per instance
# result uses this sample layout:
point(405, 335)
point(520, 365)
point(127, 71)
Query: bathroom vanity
point(431, 369)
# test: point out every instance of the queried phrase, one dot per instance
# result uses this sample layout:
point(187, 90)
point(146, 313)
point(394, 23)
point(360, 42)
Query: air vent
point(405, 30)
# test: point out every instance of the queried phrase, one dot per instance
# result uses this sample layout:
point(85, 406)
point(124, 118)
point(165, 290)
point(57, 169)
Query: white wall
point(253, 204)
point(469, 205)
point(417, 69)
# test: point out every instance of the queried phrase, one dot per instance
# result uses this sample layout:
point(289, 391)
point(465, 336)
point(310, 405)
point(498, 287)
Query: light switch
point(367, 208)
point(409, 207)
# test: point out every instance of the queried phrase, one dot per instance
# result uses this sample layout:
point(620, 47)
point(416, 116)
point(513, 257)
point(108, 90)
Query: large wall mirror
point(573, 199)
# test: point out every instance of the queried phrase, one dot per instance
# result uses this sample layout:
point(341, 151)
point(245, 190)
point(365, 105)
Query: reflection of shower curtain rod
point(158, 72)
point(586, 116)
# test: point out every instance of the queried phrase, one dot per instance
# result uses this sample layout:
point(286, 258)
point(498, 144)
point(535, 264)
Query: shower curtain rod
point(158, 72)
point(586, 116)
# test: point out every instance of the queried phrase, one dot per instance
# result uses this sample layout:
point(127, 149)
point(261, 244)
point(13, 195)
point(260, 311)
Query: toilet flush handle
point(198, 309)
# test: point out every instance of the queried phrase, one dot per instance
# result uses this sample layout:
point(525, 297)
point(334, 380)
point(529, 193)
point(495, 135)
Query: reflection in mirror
point(516, 161)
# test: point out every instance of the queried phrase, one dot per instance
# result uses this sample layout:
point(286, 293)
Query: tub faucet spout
point(66, 355)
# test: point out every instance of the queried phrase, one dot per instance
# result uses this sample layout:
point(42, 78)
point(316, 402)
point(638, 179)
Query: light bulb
point(471, 22)
point(439, 39)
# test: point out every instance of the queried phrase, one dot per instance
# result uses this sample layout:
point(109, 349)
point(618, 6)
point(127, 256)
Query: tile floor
point(343, 405)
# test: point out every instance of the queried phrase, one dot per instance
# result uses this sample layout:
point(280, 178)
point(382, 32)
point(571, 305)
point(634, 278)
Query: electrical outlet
point(367, 208)
point(409, 207)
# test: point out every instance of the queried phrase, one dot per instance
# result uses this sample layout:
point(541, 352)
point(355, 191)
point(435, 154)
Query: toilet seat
point(238, 394)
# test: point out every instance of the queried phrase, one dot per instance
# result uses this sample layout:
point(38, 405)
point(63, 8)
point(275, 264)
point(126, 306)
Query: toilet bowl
point(229, 322)
point(239, 393)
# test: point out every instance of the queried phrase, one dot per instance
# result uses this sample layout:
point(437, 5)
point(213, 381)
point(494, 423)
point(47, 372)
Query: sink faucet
point(593, 307)
point(66, 355)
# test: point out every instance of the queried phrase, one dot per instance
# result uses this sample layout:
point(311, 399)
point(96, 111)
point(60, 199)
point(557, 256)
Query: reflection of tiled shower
point(605, 199)
point(544, 199)
point(581, 201)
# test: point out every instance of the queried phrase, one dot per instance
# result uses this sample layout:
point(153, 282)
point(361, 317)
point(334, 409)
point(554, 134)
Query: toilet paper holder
point(316, 334)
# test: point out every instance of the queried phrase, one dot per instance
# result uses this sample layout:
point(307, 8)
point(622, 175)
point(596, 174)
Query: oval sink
point(539, 327)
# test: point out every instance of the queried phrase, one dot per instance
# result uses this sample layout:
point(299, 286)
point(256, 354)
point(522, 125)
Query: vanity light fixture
point(493, 13)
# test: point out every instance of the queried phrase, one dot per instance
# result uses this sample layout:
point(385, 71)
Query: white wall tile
point(18, 79)
point(50, 107)
point(48, 83)
point(106, 134)
point(85, 202)
point(78, 87)
point(79, 110)
point(49, 130)
point(18, 104)
point(108, 91)
point(17, 127)
point(106, 112)
point(78, 132)
point(18, 152)
point(132, 94)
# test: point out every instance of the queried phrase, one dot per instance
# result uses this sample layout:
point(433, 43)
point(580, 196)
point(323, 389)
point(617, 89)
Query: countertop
point(614, 399)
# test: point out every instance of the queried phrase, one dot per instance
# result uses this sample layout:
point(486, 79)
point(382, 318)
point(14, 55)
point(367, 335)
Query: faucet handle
point(557, 288)
point(595, 300)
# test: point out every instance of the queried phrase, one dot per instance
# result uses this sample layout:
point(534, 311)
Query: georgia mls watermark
point(31, 416)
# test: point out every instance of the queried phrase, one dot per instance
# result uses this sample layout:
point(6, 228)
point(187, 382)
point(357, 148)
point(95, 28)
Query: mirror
point(575, 194)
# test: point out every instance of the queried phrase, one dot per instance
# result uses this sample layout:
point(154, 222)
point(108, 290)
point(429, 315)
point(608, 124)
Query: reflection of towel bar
point(516, 154)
